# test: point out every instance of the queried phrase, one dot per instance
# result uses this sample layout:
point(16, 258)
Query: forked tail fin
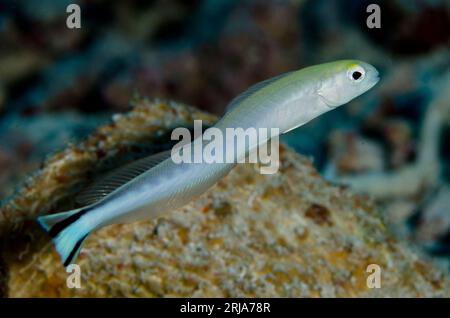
point(67, 231)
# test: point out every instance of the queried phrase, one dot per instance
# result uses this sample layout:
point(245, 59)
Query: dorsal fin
point(251, 90)
point(114, 179)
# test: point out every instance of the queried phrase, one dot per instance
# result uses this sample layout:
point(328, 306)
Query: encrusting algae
point(290, 234)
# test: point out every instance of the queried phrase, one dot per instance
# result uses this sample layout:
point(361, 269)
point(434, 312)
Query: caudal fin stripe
point(74, 251)
point(60, 226)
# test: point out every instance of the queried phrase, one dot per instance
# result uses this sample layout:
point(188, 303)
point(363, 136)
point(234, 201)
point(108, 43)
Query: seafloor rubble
point(287, 234)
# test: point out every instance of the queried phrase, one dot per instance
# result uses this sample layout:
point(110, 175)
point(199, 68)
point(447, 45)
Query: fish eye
point(356, 74)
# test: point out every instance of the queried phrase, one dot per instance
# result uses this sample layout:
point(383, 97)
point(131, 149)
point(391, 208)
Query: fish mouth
point(375, 78)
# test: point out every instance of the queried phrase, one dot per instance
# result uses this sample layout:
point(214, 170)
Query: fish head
point(342, 81)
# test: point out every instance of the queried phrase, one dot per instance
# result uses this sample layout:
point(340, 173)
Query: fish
point(149, 187)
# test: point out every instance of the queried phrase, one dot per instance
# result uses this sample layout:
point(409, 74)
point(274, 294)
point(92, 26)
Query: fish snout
point(372, 74)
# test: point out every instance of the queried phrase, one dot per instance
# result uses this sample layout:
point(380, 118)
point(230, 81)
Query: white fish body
point(284, 102)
